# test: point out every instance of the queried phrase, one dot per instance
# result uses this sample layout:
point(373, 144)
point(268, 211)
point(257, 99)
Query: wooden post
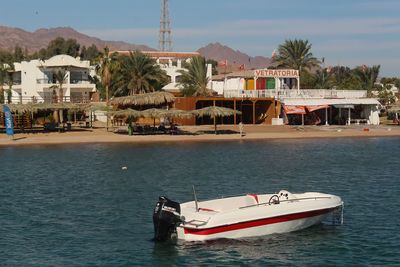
point(326, 116)
point(234, 108)
point(215, 122)
point(349, 116)
point(241, 110)
point(254, 111)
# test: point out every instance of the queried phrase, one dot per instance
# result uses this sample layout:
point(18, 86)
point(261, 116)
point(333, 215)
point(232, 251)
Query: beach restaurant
point(299, 106)
point(338, 111)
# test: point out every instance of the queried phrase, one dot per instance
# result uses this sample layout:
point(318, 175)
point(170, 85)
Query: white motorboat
point(242, 216)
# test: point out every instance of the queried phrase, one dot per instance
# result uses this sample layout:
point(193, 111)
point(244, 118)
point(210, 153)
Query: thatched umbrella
point(97, 106)
point(154, 113)
point(126, 113)
point(20, 108)
point(394, 108)
point(155, 98)
point(178, 113)
point(129, 114)
point(215, 112)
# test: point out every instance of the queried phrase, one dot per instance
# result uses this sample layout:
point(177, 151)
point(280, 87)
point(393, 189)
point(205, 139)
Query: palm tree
point(295, 54)
point(2, 74)
point(341, 76)
point(8, 72)
point(323, 79)
point(105, 68)
point(367, 76)
point(194, 80)
point(139, 73)
point(60, 77)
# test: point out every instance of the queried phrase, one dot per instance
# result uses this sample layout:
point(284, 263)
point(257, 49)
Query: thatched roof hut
point(155, 98)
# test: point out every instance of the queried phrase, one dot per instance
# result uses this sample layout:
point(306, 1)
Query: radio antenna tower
point(165, 42)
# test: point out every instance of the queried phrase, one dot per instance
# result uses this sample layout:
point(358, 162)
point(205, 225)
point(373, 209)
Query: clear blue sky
point(345, 32)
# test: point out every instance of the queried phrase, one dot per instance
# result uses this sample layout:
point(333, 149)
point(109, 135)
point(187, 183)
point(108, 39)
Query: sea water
point(75, 205)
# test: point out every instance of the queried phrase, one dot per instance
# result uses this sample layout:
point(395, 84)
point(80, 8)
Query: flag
point(242, 67)
point(364, 67)
point(223, 63)
point(8, 121)
point(273, 53)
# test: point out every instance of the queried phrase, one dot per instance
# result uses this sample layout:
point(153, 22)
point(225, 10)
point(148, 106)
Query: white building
point(34, 81)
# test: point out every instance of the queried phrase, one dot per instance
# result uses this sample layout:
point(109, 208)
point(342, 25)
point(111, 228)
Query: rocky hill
point(221, 52)
point(34, 41)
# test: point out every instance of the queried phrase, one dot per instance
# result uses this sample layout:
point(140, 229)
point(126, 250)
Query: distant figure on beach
point(241, 128)
point(396, 118)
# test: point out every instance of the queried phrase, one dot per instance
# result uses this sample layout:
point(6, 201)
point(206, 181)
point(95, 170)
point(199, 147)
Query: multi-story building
point(35, 81)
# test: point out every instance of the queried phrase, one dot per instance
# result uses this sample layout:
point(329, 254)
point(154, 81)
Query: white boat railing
point(285, 200)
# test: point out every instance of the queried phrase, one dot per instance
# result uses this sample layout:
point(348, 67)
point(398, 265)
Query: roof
point(65, 61)
point(261, 73)
point(329, 101)
point(172, 87)
point(235, 74)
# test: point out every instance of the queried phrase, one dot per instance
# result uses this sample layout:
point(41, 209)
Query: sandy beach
point(201, 134)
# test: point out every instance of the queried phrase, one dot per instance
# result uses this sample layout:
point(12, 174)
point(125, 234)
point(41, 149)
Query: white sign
point(276, 73)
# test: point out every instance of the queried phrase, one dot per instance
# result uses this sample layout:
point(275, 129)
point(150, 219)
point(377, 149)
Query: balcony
point(293, 93)
point(44, 81)
point(72, 81)
point(15, 99)
point(79, 81)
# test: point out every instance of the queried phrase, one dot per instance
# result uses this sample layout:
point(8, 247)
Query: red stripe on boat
point(205, 209)
point(255, 223)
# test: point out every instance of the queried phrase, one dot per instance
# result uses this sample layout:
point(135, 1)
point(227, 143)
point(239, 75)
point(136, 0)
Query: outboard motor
point(166, 217)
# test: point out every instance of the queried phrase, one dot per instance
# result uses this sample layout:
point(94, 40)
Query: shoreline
point(196, 134)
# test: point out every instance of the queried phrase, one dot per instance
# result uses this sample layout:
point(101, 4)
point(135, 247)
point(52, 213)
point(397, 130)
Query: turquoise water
point(73, 205)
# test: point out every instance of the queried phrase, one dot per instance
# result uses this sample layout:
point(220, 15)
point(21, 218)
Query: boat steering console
point(276, 199)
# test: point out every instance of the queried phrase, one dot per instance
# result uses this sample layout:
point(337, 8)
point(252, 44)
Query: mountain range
point(34, 41)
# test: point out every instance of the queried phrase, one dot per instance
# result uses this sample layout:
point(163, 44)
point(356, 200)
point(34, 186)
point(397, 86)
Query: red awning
point(314, 108)
point(294, 109)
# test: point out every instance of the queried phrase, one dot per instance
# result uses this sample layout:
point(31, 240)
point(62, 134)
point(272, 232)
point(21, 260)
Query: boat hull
point(261, 227)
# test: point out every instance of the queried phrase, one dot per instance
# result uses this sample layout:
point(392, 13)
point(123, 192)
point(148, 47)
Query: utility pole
point(165, 42)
